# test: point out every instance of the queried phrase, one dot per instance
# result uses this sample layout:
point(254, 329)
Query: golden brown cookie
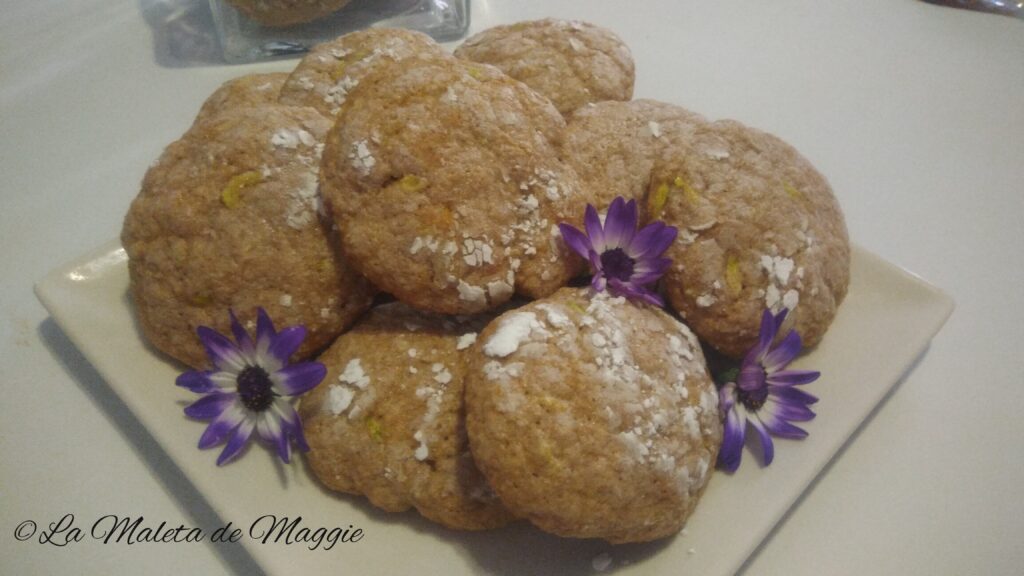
point(242, 92)
point(444, 179)
point(279, 13)
point(759, 228)
point(570, 62)
point(325, 76)
point(388, 420)
point(228, 218)
point(613, 145)
point(592, 416)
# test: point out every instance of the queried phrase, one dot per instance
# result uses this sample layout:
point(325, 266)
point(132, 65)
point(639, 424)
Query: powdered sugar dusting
point(303, 202)
point(514, 330)
point(471, 293)
point(432, 394)
point(354, 374)
point(339, 398)
point(362, 159)
point(353, 382)
point(465, 341)
point(780, 270)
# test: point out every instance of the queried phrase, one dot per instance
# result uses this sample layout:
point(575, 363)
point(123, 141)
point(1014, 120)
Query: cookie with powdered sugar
point(759, 228)
point(279, 13)
point(570, 62)
point(613, 145)
point(592, 416)
point(325, 76)
point(444, 179)
point(243, 92)
point(387, 422)
point(228, 218)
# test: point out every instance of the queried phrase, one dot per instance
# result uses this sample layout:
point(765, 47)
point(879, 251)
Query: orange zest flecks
point(412, 183)
point(374, 429)
point(656, 201)
point(733, 275)
point(231, 196)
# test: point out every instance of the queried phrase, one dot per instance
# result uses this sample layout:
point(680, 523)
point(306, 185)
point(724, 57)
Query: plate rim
point(55, 283)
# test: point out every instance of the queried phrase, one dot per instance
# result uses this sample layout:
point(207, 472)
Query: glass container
point(244, 39)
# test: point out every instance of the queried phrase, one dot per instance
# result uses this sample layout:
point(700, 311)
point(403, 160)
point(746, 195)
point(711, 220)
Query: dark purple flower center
point(617, 264)
point(255, 388)
point(752, 399)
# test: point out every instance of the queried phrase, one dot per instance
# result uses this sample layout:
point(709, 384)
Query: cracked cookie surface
point(445, 182)
point(592, 416)
point(759, 228)
point(228, 218)
point(388, 420)
point(570, 62)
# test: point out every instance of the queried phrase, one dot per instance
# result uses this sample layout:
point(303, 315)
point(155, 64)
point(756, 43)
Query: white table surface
point(914, 112)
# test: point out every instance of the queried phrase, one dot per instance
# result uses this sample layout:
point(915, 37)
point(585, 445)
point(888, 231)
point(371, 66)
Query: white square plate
point(884, 325)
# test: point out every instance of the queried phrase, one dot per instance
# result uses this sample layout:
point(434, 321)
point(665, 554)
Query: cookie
point(613, 145)
point(388, 419)
point(325, 76)
point(245, 91)
point(444, 179)
point(280, 13)
point(759, 228)
point(228, 218)
point(570, 62)
point(592, 416)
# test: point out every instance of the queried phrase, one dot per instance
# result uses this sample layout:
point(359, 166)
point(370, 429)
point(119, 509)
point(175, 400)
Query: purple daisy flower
point(246, 391)
point(764, 394)
point(622, 259)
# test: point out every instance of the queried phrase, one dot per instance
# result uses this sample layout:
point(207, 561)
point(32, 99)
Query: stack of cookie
point(280, 13)
point(490, 390)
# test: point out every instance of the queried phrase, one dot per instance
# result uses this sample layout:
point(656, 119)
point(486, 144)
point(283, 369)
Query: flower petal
point(237, 442)
point(652, 241)
point(620, 224)
point(793, 377)
point(726, 397)
point(783, 354)
point(634, 292)
point(767, 447)
point(778, 320)
point(269, 428)
point(764, 339)
point(598, 282)
point(751, 376)
point(791, 394)
point(264, 331)
point(222, 425)
point(777, 409)
point(656, 266)
point(286, 343)
point(645, 279)
point(291, 423)
point(300, 438)
point(592, 224)
point(227, 381)
point(619, 288)
point(209, 406)
point(198, 382)
point(731, 452)
point(222, 352)
point(783, 429)
point(286, 413)
point(241, 336)
point(298, 378)
point(575, 239)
